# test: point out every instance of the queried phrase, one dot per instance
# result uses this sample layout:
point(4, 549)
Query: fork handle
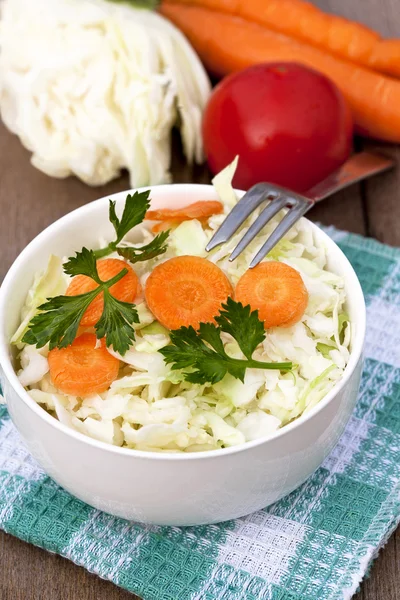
point(358, 167)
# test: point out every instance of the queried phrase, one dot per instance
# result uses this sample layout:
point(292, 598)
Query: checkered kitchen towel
point(316, 543)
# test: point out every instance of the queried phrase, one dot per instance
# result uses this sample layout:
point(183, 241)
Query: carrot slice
point(125, 289)
point(186, 290)
point(276, 290)
point(198, 210)
point(82, 369)
point(164, 226)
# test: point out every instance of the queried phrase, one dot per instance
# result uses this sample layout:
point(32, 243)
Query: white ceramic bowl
point(170, 489)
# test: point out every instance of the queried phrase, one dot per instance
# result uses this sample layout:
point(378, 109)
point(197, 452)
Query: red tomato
point(290, 125)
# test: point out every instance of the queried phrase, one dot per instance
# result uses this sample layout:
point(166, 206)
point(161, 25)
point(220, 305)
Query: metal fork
point(358, 167)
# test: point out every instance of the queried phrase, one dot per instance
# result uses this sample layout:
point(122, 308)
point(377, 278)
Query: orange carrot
point(227, 44)
point(305, 22)
point(276, 290)
point(164, 226)
point(126, 289)
point(186, 290)
point(198, 210)
point(82, 369)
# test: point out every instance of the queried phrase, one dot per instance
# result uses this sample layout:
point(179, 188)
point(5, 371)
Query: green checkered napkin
point(316, 543)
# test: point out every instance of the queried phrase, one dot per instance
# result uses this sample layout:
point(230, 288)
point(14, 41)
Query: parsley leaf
point(151, 250)
point(187, 346)
point(134, 212)
point(84, 263)
point(243, 325)
point(210, 334)
point(135, 209)
point(112, 215)
point(58, 319)
point(188, 350)
point(115, 323)
point(149, 4)
point(203, 353)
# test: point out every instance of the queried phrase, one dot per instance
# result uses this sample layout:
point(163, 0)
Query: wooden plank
point(382, 198)
point(30, 573)
point(343, 210)
point(383, 583)
point(381, 15)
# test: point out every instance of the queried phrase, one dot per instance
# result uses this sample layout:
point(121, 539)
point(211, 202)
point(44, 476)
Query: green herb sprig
point(154, 248)
point(58, 319)
point(203, 353)
point(135, 209)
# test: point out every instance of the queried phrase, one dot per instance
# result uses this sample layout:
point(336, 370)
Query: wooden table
point(30, 201)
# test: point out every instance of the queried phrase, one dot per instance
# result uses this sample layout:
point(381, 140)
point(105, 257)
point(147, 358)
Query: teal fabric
point(317, 543)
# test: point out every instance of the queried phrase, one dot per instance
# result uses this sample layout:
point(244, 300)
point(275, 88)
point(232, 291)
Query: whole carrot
point(305, 22)
point(227, 44)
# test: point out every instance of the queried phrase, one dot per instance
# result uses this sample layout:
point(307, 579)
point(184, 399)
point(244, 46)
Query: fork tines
point(279, 198)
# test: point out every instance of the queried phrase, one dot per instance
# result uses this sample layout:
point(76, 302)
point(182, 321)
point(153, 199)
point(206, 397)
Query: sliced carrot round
point(126, 289)
point(82, 369)
point(186, 290)
point(276, 290)
point(198, 210)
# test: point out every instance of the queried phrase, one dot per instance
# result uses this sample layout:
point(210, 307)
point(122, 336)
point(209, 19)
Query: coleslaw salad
point(150, 407)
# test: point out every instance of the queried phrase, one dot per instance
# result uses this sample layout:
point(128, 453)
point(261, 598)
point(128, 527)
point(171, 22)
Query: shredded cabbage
point(92, 87)
point(222, 183)
point(188, 238)
point(51, 282)
point(34, 365)
point(151, 408)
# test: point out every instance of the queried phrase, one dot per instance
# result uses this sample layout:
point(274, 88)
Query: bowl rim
point(10, 374)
